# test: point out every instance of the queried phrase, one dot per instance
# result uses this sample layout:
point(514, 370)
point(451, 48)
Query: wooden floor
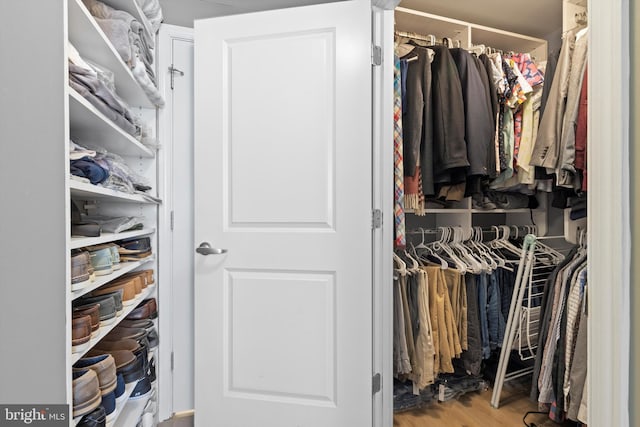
point(475, 410)
point(471, 410)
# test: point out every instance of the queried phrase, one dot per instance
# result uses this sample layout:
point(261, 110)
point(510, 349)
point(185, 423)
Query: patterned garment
point(398, 182)
point(529, 69)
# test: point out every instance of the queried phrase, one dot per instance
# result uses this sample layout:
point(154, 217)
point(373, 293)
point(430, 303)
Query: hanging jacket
point(478, 121)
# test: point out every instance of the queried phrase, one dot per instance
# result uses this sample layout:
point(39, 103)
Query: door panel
point(283, 182)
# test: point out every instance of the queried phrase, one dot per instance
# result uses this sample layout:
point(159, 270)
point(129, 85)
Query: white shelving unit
point(89, 127)
point(81, 242)
point(411, 20)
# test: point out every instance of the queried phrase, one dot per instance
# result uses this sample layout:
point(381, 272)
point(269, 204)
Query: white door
point(283, 319)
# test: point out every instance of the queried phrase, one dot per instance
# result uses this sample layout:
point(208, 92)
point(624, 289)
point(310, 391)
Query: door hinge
point(172, 360)
point(376, 383)
point(376, 219)
point(173, 71)
point(171, 220)
point(376, 55)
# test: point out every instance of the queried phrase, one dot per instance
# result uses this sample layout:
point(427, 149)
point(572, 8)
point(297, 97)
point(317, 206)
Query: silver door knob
point(206, 249)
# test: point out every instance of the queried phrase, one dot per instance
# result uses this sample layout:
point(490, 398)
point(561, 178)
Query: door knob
point(206, 249)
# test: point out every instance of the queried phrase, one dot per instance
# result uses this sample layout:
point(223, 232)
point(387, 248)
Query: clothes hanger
point(459, 264)
point(401, 266)
point(476, 242)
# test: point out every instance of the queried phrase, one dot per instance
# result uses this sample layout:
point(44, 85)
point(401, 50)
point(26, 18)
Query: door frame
point(609, 228)
point(609, 243)
point(166, 289)
point(382, 111)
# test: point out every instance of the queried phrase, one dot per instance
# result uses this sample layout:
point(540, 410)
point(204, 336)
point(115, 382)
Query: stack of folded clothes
point(132, 42)
point(84, 79)
point(104, 168)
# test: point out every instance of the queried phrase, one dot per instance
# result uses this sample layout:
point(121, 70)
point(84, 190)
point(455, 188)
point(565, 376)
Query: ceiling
point(539, 18)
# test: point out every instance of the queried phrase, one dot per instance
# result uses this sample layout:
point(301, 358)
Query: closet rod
point(483, 229)
point(429, 38)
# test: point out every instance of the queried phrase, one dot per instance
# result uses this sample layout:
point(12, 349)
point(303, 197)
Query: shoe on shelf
point(109, 405)
point(152, 336)
point(142, 389)
point(141, 276)
point(115, 256)
point(129, 365)
point(86, 392)
point(101, 259)
point(147, 309)
point(80, 333)
point(123, 344)
point(128, 289)
point(104, 366)
point(120, 388)
point(80, 276)
point(151, 370)
point(96, 418)
point(149, 274)
point(134, 246)
point(142, 323)
point(120, 332)
point(92, 310)
point(110, 306)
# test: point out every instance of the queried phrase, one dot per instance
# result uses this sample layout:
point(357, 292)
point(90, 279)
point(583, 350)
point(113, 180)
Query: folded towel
point(153, 12)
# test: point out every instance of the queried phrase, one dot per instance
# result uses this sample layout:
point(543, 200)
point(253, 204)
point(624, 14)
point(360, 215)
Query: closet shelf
point(95, 192)
point(501, 211)
point(440, 211)
point(79, 242)
point(104, 330)
point(91, 42)
point(125, 267)
point(132, 7)
point(90, 128)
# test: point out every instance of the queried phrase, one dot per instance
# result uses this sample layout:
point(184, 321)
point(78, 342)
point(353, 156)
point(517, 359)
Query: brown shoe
point(127, 363)
point(104, 366)
point(80, 333)
point(86, 392)
point(119, 333)
point(147, 309)
point(128, 290)
point(140, 275)
point(123, 344)
point(92, 310)
point(80, 276)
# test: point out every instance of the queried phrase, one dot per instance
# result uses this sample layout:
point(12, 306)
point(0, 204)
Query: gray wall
point(634, 395)
point(33, 218)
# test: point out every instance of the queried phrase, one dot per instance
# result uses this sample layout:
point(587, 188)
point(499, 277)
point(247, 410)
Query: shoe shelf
point(91, 42)
point(125, 267)
point(95, 192)
point(80, 242)
point(89, 127)
point(104, 330)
